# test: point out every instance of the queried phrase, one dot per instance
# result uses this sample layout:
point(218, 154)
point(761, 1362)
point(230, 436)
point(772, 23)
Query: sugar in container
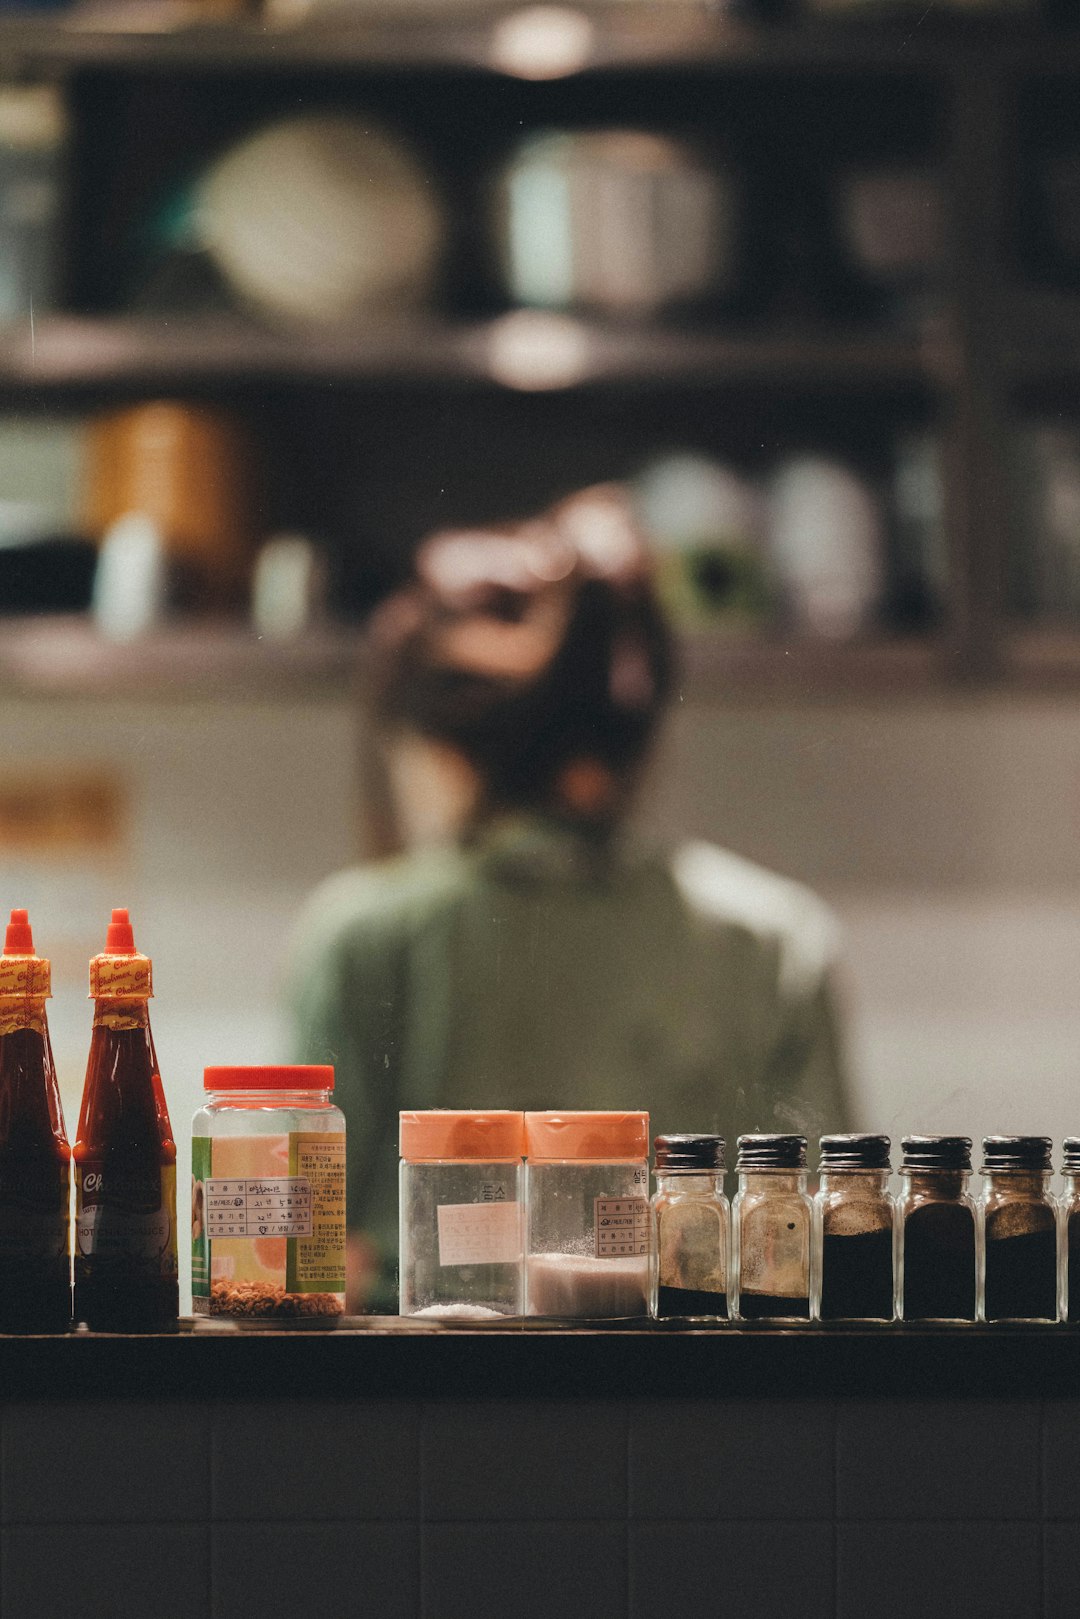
point(461, 1214)
point(587, 1250)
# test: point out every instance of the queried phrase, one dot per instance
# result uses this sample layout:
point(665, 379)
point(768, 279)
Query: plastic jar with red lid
point(268, 1196)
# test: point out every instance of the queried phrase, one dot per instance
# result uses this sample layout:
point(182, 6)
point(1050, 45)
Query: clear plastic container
point(692, 1225)
point(1019, 1218)
point(855, 1221)
point(587, 1251)
point(772, 1219)
point(268, 1196)
point(461, 1214)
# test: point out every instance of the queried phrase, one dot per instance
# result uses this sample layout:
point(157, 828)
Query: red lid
point(120, 938)
point(282, 1077)
point(19, 941)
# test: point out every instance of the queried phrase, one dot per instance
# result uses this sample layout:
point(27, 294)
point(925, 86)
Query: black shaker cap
point(936, 1152)
point(771, 1152)
point(1071, 1155)
point(1017, 1152)
point(855, 1152)
point(689, 1152)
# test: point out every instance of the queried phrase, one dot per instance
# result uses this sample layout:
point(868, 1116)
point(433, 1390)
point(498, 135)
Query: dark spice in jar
point(937, 1230)
point(1073, 1271)
point(1021, 1275)
point(939, 1263)
point(857, 1276)
point(1020, 1229)
point(857, 1222)
point(766, 1306)
point(689, 1301)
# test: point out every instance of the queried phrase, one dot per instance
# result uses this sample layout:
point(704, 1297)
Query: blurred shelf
point(1043, 659)
point(162, 34)
point(1042, 337)
point(715, 667)
point(65, 656)
point(525, 351)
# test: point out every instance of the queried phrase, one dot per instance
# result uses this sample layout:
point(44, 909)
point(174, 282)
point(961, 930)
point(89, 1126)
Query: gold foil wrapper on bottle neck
point(25, 977)
point(25, 985)
point(121, 978)
point(22, 1012)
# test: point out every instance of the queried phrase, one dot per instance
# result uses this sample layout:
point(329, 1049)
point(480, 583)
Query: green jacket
point(533, 970)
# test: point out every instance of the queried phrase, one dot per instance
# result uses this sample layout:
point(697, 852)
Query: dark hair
point(530, 647)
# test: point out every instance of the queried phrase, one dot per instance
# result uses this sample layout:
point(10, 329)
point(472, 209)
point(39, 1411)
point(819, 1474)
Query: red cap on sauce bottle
point(120, 972)
point(19, 939)
point(23, 974)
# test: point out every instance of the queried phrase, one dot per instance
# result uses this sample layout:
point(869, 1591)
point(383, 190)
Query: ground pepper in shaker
point(1019, 1219)
point(1070, 1214)
point(772, 1217)
point(938, 1252)
point(691, 1221)
point(855, 1219)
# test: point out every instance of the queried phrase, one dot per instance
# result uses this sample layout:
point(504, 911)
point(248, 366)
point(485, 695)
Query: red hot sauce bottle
point(35, 1240)
point(125, 1156)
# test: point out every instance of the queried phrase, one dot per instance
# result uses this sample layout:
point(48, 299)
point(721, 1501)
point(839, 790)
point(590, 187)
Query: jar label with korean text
point(268, 1224)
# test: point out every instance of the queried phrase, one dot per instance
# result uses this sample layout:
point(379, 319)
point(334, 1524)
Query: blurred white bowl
point(322, 218)
point(618, 220)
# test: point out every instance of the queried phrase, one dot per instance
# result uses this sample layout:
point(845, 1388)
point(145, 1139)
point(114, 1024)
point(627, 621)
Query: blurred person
point(538, 957)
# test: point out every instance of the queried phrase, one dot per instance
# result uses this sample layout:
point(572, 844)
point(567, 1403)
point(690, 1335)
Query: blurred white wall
point(944, 832)
point(236, 810)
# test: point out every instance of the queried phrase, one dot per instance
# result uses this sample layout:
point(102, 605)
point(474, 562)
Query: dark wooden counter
point(385, 1357)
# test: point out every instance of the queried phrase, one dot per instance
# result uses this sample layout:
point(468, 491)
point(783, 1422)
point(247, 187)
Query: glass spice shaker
point(1019, 1222)
point(772, 1218)
point(855, 1219)
point(1070, 1218)
point(690, 1214)
point(938, 1249)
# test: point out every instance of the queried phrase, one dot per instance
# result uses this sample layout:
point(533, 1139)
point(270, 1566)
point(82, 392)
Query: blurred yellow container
point(190, 468)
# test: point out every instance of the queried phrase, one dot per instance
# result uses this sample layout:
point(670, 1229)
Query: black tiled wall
point(591, 1509)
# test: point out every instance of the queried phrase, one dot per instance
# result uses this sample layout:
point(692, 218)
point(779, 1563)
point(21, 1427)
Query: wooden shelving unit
point(166, 34)
point(964, 371)
point(67, 657)
point(72, 353)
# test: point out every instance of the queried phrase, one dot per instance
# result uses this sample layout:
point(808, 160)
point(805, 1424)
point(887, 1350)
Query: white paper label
point(622, 1227)
point(278, 1206)
point(479, 1233)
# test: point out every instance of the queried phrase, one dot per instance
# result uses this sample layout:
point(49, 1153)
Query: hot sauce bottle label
point(127, 1216)
point(34, 1213)
point(268, 1224)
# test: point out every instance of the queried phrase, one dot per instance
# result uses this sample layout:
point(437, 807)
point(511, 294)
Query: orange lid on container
point(601, 1137)
point(450, 1133)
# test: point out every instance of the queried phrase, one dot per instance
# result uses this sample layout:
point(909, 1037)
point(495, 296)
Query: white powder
point(579, 1285)
point(460, 1312)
